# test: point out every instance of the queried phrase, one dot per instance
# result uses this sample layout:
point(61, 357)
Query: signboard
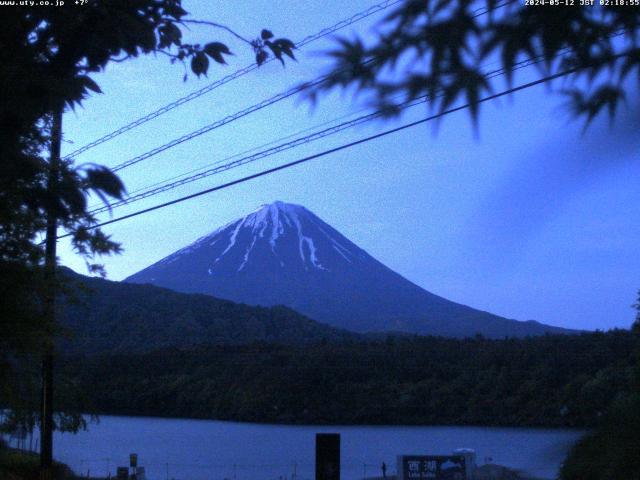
point(133, 460)
point(327, 456)
point(123, 473)
point(431, 467)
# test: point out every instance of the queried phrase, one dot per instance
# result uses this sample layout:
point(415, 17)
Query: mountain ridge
point(284, 254)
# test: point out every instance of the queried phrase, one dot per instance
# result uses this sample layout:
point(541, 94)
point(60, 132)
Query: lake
point(210, 450)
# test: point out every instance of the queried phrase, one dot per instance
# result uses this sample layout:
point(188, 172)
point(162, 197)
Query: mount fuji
point(283, 254)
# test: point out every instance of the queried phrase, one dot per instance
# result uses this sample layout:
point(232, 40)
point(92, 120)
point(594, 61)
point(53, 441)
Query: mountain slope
point(113, 317)
point(284, 254)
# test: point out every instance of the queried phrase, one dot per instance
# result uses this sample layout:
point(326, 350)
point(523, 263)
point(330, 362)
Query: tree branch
point(218, 25)
point(120, 60)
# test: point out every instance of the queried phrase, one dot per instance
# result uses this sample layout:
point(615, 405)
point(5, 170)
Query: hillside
point(100, 316)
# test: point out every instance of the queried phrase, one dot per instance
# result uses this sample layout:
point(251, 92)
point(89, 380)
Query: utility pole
point(49, 306)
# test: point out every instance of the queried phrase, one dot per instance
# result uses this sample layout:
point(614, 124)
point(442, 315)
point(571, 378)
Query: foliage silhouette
point(438, 48)
point(47, 57)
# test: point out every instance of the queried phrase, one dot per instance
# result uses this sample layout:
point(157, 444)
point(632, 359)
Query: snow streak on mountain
point(283, 254)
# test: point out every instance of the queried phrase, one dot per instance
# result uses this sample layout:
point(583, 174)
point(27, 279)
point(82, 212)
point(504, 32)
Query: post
point(133, 464)
point(49, 304)
point(327, 456)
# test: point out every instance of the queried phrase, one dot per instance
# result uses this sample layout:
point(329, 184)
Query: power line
point(183, 179)
point(226, 79)
point(219, 123)
point(259, 106)
point(246, 152)
point(246, 159)
point(336, 149)
point(282, 147)
point(98, 207)
point(254, 108)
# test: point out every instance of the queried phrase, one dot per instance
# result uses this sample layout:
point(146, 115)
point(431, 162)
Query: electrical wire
point(154, 190)
point(232, 76)
point(219, 123)
point(335, 150)
point(259, 106)
point(254, 108)
point(163, 186)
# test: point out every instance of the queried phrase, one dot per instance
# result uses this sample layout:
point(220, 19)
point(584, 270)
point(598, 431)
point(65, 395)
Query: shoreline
point(584, 429)
point(179, 445)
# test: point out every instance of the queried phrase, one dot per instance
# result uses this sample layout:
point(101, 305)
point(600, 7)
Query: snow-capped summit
point(282, 253)
point(281, 234)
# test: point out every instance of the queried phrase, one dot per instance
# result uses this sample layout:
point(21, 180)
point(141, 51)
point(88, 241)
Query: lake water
point(211, 450)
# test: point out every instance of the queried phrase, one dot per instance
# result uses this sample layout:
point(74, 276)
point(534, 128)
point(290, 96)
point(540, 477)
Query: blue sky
point(528, 217)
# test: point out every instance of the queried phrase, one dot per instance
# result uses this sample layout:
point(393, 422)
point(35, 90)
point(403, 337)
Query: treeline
point(612, 451)
point(540, 381)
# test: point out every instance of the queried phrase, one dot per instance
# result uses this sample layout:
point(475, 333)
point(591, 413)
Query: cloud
point(543, 181)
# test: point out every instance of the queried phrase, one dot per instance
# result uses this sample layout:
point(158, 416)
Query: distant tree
point(611, 450)
point(636, 324)
point(438, 47)
point(413, 381)
point(47, 56)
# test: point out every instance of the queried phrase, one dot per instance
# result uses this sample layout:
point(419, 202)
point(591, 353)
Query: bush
point(18, 465)
point(612, 451)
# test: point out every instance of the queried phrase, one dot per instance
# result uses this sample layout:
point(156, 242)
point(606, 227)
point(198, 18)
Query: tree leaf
point(286, 46)
point(199, 64)
point(261, 57)
point(215, 51)
point(87, 82)
point(101, 179)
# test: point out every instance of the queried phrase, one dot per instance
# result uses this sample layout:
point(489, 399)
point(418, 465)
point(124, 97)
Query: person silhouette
point(384, 470)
